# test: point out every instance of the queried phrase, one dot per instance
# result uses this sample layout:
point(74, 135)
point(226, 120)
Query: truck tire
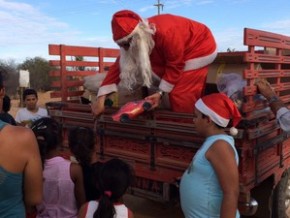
point(281, 197)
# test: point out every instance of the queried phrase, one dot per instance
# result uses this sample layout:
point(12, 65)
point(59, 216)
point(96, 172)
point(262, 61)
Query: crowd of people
point(174, 56)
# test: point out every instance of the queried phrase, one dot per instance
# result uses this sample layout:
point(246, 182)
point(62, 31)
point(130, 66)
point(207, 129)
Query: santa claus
point(168, 50)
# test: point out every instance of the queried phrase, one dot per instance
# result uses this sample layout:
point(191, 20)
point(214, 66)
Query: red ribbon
point(108, 193)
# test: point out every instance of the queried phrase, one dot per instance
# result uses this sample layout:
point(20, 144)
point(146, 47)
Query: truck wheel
point(281, 197)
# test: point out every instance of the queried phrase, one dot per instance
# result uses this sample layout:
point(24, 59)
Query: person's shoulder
point(42, 111)
point(76, 170)
point(25, 137)
point(25, 133)
point(18, 130)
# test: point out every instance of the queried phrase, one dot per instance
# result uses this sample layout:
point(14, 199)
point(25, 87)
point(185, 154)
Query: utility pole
point(159, 5)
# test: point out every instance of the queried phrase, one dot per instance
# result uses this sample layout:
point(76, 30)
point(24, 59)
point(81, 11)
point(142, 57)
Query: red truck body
point(160, 144)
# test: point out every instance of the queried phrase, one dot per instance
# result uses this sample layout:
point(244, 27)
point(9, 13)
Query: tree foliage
point(11, 76)
point(38, 72)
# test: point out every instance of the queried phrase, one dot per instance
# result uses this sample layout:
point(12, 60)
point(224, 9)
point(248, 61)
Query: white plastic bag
point(232, 85)
point(94, 82)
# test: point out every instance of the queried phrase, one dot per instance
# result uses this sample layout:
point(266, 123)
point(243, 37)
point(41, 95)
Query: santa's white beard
point(135, 63)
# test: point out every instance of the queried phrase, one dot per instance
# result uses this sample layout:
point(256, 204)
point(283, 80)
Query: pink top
point(58, 190)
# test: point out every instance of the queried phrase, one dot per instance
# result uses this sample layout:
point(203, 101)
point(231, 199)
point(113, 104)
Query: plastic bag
point(232, 85)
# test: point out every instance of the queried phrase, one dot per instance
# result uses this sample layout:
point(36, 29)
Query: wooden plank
point(53, 49)
point(59, 94)
point(264, 58)
point(54, 63)
point(109, 52)
point(254, 37)
point(73, 50)
point(54, 73)
point(81, 73)
point(82, 63)
point(69, 84)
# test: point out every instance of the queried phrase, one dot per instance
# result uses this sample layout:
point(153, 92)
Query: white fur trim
point(166, 86)
point(124, 39)
point(202, 107)
point(199, 62)
point(107, 89)
point(234, 131)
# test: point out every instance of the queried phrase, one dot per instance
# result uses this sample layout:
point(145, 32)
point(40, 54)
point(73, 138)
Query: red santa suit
point(183, 50)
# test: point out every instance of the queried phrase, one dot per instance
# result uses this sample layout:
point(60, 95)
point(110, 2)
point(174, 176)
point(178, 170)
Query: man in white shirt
point(31, 112)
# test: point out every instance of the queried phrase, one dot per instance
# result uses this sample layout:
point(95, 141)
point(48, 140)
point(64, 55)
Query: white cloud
point(26, 32)
point(279, 26)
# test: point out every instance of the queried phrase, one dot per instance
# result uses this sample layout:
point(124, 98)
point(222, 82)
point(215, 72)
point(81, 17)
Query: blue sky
point(28, 26)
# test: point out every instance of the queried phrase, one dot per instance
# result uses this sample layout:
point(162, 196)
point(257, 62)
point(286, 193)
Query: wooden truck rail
point(160, 144)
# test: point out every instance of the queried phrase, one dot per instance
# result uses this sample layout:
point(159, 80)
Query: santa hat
point(221, 109)
point(124, 25)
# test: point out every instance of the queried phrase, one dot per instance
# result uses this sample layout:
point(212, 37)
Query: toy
point(131, 110)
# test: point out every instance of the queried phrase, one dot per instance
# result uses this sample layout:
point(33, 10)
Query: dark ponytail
point(106, 208)
point(115, 178)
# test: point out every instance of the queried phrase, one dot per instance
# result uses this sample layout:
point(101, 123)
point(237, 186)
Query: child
point(31, 112)
point(63, 191)
point(210, 185)
point(115, 178)
point(81, 141)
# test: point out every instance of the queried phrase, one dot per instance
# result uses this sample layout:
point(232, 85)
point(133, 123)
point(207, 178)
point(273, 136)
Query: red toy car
point(132, 110)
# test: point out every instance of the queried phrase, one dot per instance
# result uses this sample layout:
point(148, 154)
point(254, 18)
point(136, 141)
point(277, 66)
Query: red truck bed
point(160, 144)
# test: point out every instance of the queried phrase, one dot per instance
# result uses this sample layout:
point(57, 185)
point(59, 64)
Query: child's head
point(81, 141)
point(220, 109)
point(48, 134)
point(30, 99)
point(27, 92)
point(115, 178)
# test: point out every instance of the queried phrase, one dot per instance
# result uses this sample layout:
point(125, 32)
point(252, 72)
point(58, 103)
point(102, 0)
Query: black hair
point(6, 104)
point(29, 92)
point(81, 141)
point(115, 178)
point(48, 134)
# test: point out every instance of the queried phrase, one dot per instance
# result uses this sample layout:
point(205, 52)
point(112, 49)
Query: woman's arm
point(222, 157)
point(83, 210)
point(77, 177)
point(33, 169)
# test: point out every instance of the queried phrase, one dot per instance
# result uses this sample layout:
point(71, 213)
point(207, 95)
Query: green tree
point(11, 76)
point(39, 69)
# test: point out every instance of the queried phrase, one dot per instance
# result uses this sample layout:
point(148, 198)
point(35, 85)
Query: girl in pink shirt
point(63, 189)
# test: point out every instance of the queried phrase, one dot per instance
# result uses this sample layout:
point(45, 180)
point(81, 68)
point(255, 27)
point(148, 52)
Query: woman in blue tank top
point(209, 188)
point(20, 168)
